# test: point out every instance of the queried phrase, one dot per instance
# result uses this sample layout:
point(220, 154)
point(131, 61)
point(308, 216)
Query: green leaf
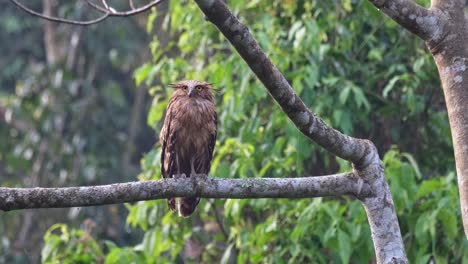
point(344, 244)
point(422, 229)
point(227, 255)
point(141, 73)
point(388, 88)
point(344, 94)
point(360, 98)
point(449, 222)
point(428, 186)
point(413, 163)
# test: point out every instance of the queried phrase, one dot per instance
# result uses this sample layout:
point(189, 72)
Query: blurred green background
point(84, 106)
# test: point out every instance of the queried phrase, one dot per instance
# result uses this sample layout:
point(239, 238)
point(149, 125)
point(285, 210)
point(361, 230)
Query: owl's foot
point(179, 176)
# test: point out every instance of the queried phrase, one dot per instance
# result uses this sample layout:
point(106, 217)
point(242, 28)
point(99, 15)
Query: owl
point(188, 137)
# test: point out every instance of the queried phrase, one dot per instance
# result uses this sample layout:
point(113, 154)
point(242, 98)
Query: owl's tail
point(183, 206)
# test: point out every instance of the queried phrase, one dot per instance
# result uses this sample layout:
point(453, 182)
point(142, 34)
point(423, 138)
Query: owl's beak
point(190, 91)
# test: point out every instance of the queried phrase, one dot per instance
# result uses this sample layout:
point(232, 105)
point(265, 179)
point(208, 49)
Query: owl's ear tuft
point(215, 90)
point(174, 85)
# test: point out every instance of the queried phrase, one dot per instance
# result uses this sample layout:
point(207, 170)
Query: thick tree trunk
point(451, 57)
point(444, 27)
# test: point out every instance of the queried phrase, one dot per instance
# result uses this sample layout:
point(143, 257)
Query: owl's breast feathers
point(195, 125)
point(192, 135)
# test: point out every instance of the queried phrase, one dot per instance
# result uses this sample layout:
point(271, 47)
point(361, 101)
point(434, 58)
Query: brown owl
point(188, 137)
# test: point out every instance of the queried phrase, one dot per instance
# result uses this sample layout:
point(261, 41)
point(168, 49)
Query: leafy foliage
point(325, 55)
point(70, 246)
point(63, 123)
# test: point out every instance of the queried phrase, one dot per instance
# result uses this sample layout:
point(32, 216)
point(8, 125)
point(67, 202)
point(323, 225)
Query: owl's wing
point(168, 156)
point(168, 141)
point(212, 143)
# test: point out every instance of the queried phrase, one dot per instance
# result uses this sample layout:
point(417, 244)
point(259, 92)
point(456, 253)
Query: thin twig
point(132, 12)
point(104, 3)
point(58, 19)
point(107, 12)
point(97, 7)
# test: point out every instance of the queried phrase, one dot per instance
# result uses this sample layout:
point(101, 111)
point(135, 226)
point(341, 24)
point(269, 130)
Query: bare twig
point(104, 3)
point(106, 10)
point(58, 19)
point(200, 186)
point(132, 12)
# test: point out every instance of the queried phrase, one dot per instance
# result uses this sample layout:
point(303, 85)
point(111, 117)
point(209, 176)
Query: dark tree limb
point(200, 186)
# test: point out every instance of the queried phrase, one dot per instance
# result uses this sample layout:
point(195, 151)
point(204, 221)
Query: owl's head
point(194, 89)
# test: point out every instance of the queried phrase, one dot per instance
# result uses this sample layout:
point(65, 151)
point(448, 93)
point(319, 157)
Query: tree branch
point(420, 21)
point(107, 12)
point(200, 186)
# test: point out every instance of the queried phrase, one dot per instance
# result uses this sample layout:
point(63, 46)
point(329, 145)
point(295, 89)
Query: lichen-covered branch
point(425, 23)
point(382, 218)
point(201, 186)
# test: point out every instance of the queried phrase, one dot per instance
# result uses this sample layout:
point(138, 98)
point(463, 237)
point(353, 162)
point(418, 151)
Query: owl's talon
point(200, 176)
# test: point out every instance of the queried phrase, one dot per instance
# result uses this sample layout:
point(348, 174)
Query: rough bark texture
point(451, 57)
point(383, 221)
point(200, 186)
point(425, 23)
point(362, 153)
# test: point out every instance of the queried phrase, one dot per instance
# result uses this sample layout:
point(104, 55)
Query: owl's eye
point(198, 87)
point(184, 87)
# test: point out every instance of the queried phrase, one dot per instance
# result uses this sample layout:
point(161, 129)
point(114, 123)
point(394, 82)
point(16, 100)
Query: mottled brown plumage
point(188, 137)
